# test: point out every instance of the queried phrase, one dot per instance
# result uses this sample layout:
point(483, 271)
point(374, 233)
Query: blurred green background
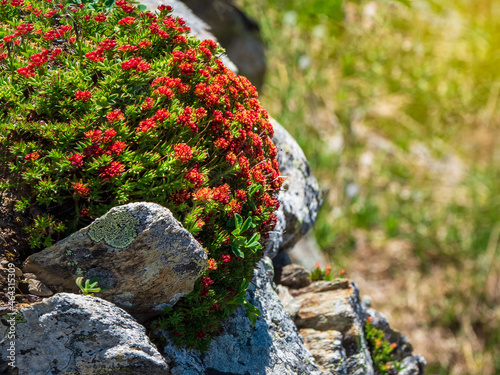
point(397, 110)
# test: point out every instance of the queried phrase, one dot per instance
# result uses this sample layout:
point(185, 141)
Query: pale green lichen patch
point(117, 229)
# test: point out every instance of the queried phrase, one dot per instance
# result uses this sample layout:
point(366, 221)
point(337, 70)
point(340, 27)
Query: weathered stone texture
point(75, 334)
point(272, 347)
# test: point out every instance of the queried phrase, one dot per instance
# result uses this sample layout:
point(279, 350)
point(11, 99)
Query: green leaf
point(247, 224)
point(238, 220)
point(142, 7)
point(237, 251)
point(254, 238)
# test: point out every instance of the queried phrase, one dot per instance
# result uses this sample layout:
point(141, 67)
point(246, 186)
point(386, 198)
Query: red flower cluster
point(32, 156)
point(137, 64)
point(41, 58)
point(126, 21)
point(83, 96)
point(76, 160)
point(183, 152)
point(108, 44)
point(115, 115)
point(81, 189)
point(221, 193)
point(115, 168)
point(195, 177)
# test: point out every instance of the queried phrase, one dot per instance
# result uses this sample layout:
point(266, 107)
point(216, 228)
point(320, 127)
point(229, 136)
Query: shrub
point(382, 351)
point(103, 106)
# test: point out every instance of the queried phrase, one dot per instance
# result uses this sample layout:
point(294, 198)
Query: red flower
point(231, 158)
point(25, 28)
point(206, 281)
point(115, 115)
point(226, 258)
point(117, 147)
point(112, 170)
point(241, 195)
point(100, 18)
point(195, 177)
point(95, 56)
point(81, 189)
point(234, 208)
point(148, 103)
point(83, 96)
point(126, 21)
point(131, 64)
point(183, 152)
point(8, 38)
point(143, 67)
point(144, 44)
point(221, 193)
point(108, 44)
point(27, 71)
point(84, 212)
point(33, 156)
point(202, 194)
point(49, 35)
point(145, 125)
point(56, 52)
point(127, 47)
point(39, 59)
point(76, 160)
point(162, 114)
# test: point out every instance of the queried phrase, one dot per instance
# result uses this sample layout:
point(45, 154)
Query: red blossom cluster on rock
point(100, 116)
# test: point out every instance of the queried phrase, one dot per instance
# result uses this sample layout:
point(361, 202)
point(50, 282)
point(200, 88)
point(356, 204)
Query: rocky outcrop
point(272, 347)
point(331, 320)
point(142, 256)
point(72, 334)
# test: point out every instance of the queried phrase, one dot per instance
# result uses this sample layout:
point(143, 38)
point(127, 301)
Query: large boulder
point(75, 334)
point(272, 347)
point(142, 256)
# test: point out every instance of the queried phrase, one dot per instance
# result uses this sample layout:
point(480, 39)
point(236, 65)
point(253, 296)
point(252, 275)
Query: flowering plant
point(103, 106)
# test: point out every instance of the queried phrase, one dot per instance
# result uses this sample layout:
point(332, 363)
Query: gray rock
point(413, 365)
point(143, 259)
point(272, 347)
point(74, 334)
point(199, 29)
point(289, 303)
point(300, 197)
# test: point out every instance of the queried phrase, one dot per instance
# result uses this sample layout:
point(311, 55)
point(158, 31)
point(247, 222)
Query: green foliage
point(89, 287)
point(381, 350)
point(102, 105)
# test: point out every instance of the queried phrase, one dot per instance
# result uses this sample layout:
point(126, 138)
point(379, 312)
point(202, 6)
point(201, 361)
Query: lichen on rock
point(118, 229)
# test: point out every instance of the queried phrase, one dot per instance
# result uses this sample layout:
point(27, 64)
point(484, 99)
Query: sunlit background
point(397, 110)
